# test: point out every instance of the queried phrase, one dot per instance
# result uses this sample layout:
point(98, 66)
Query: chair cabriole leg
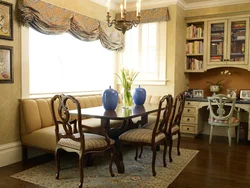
point(81, 170)
point(211, 134)
point(153, 160)
point(178, 143)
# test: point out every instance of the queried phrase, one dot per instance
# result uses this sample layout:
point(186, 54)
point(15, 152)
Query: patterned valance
point(149, 15)
point(50, 19)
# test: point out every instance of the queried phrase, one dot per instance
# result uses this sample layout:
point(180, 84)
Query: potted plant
point(215, 87)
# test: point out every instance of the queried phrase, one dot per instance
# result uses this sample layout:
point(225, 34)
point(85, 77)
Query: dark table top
point(119, 113)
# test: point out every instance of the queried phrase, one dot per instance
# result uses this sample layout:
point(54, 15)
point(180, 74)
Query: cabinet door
point(217, 36)
point(237, 41)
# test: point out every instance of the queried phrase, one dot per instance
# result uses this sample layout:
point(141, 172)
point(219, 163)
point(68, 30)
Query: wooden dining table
point(129, 119)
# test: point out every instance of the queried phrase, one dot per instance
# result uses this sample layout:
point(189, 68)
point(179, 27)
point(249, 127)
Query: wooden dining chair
point(174, 124)
point(152, 137)
point(71, 137)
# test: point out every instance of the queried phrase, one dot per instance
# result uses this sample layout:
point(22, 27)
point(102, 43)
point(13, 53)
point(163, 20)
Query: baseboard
point(10, 153)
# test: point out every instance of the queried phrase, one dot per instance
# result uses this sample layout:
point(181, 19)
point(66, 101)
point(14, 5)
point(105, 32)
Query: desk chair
point(70, 136)
point(219, 116)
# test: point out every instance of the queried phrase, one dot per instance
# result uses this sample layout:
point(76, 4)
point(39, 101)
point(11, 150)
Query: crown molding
point(181, 3)
point(213, 3)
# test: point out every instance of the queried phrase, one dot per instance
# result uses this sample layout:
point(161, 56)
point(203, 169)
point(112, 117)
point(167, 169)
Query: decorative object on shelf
point(199, 93)
point(216, 86)
point(127, 77)
point(109, 99)
point(123, 24)
point(6, 68)
point(6, 21)
point(245, 94)
point(232, 93)
point(139, 95)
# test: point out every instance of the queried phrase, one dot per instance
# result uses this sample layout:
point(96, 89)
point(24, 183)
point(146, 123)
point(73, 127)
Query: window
point(64, 64)
point(145, 52)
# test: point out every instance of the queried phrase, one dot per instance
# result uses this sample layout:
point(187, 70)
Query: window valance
point(149, 15)
point(50, 19)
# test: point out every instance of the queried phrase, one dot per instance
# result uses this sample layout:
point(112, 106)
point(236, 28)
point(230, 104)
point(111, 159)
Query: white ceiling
point(185, 4)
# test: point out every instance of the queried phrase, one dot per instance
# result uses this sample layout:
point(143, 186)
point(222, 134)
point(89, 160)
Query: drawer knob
point(188, 119)
point(188, 102)
point(188, 129)
point(188, 110)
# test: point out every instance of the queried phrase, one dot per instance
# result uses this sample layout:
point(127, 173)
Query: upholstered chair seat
point(92, 142)
point(140, 135)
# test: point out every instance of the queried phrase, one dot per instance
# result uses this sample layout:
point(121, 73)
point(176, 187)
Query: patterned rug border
point(137, 173)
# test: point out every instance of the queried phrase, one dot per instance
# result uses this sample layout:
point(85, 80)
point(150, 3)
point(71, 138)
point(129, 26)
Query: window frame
point(161, 66)
point(25, 75)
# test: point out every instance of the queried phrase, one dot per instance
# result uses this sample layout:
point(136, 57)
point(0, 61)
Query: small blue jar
point(110, 99)
point(139, 96)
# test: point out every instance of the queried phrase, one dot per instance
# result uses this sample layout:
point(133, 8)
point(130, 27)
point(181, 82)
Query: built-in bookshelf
point(194, 47)
point(227, 40)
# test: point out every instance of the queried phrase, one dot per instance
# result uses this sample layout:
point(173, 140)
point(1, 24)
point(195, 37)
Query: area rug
point(137, 173)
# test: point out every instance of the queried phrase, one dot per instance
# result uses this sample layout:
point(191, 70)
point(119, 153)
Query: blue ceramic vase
point(109, 99)
point(139, 96)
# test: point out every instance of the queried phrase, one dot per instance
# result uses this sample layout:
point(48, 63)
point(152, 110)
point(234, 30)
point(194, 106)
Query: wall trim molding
point(181, 3)
point(10, 153)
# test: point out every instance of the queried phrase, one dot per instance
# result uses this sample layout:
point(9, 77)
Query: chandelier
point(123, 24)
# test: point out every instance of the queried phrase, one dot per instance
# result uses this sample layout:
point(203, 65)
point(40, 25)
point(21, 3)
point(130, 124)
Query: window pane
point(62, 63)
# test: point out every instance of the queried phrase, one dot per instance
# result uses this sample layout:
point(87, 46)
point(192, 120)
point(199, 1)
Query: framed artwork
point(6, 21)
point(6, 68)
point(198, 93)
point(245, 94)
point(232, 93)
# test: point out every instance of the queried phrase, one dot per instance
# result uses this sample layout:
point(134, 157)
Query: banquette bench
point(37, 126)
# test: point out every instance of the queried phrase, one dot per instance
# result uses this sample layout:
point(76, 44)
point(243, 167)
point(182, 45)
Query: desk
point(194, 115)
point(119, 114)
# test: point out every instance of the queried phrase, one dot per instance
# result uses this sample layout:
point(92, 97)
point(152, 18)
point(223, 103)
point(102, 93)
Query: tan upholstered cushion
point(45, 112)
point(140, 135)
point(31, 116)
point(44, 138)
point(92, 142)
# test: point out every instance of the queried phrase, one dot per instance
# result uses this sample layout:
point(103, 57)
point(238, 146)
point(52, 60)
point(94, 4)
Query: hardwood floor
point(215, 165)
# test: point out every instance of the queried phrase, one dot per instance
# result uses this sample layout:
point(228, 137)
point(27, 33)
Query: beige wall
point(11, 92)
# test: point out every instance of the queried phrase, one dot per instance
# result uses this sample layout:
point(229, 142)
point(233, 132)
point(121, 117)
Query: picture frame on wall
point(245, 94)
point(6, 64)
point(198, 93)
point(6, 20)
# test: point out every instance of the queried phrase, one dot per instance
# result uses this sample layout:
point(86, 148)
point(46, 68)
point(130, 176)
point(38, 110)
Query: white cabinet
point(190, 120)
point(228, 43)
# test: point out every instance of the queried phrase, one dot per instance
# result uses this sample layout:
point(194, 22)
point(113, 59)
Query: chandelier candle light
point(123, 24)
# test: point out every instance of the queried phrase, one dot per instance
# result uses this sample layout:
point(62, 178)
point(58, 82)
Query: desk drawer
point(191, 103)
point(189, 119)
point(190, 110)
point(188, 128)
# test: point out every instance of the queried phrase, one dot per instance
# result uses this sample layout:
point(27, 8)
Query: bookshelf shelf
point(194, 47)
